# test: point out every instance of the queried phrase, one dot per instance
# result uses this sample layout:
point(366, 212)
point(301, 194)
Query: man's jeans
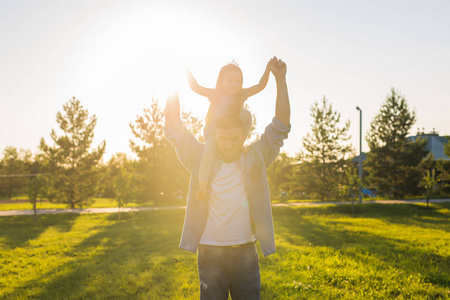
point(229, 268)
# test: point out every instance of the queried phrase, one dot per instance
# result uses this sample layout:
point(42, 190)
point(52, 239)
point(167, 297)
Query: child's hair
point(229, 122)
point(230, 67)
point(234, 108)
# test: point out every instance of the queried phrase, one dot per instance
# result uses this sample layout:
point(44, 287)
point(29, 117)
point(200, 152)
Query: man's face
point(229, 143)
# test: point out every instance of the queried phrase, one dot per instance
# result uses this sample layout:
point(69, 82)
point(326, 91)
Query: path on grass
point(110, 210)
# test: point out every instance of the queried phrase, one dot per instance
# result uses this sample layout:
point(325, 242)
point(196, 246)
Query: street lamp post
point(360, 154)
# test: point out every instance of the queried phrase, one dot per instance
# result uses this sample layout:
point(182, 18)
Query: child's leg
point(246, 119)
point(205, 167)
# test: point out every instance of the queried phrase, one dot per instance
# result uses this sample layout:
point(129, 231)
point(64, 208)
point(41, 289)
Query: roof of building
point(435, 144)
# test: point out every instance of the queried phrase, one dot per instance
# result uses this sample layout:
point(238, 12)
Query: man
point(237, 210)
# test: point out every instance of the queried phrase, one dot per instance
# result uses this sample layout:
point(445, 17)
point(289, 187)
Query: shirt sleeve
point(188, 149)
point(268, 146)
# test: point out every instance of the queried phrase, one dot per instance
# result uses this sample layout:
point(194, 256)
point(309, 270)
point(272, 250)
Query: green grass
point(98, 203)
point(108, 202)
point(399, 251)
point(356, 199)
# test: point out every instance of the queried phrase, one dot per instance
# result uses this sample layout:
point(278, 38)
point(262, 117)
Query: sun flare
point(157, 46)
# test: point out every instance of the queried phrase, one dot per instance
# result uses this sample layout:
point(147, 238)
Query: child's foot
point(201, 194)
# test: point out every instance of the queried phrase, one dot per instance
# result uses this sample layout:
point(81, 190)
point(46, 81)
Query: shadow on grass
point(411, 215)
point(294, 227)
point(132, 259)
point(406, 214)
point(17, 231)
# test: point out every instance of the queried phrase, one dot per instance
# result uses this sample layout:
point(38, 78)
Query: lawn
point(398, 251)
point(109, 202)
point(98, 202)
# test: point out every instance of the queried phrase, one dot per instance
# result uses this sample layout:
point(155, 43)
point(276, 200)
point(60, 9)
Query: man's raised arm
point(283, 107)
point(189, 150)
point(268, 147)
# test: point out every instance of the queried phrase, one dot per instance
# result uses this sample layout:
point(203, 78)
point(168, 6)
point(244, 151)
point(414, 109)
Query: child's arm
point(253, 90)
point(198, 88)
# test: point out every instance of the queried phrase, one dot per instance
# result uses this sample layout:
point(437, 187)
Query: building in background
point(435, 143)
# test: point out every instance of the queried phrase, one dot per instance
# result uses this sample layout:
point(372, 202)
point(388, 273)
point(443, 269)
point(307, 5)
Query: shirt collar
point(239, 161)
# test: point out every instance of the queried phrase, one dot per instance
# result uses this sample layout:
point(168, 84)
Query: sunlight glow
point(155, 48)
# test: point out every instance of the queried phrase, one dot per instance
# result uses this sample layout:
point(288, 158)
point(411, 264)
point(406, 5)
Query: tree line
point(326, 168)
point(70, 170)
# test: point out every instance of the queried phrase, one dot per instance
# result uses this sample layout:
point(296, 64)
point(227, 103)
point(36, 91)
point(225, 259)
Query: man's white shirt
point(228, 220)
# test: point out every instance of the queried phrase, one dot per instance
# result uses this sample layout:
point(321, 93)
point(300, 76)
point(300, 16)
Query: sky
point(115, 56)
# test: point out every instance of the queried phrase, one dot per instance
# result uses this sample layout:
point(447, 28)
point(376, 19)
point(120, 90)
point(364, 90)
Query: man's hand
point(278, 67)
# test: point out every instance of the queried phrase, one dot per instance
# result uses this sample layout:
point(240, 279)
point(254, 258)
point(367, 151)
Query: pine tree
point(326, 149)
point(71, 161)
point(393, 163)
point(165, 179)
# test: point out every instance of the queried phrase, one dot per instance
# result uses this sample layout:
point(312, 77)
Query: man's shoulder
point(188, 148)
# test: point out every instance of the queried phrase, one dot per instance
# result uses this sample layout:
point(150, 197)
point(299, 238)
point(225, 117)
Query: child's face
point(232, 82)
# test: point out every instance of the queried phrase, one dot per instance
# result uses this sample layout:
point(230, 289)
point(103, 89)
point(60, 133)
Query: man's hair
point(229, 122)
